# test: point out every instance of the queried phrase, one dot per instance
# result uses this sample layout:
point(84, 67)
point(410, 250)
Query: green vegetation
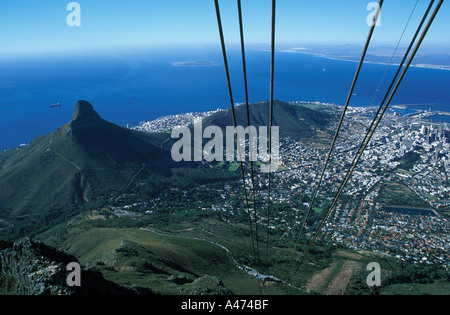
point(89, 163)
point(114, 198)
point(85, 162)
point(298, 122)
point(438, 287)
point(233, 167)
point(155, 259)
point(406, 279)
point(317, 210)
point(398, 194)
point(408, 160)
point(418, 274)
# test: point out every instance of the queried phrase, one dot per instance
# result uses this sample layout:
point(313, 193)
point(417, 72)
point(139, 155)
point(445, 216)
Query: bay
point(127, 87)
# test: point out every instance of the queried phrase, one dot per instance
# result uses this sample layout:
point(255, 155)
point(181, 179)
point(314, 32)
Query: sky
point(40, 26)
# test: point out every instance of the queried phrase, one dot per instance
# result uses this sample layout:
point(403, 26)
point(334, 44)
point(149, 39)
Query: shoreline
point(189, 116)
point(194, 64)
point(166, 123)
point(321, 55)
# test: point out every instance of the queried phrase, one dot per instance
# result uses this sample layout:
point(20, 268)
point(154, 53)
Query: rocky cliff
point(32, 268)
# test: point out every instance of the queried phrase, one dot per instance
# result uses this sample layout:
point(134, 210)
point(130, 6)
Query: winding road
point(249, 270)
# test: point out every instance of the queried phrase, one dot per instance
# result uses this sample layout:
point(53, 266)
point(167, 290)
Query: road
point(249, 270)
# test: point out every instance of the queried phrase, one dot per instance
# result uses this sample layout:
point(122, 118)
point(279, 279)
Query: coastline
point(321, 55)
point(144, 92)
point(168, 122)
point(194, 64)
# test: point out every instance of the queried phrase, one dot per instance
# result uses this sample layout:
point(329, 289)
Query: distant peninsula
point(194, 64)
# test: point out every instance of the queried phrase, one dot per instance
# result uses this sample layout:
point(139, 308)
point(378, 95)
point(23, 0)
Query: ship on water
point(55, 105)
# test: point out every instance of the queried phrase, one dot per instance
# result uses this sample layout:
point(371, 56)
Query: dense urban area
point(396, 203)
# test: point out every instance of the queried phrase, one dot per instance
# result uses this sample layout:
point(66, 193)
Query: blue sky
point(32, 26)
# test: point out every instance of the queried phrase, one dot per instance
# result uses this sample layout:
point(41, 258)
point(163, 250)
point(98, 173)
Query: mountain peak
point(84, 115)
point(83, 110)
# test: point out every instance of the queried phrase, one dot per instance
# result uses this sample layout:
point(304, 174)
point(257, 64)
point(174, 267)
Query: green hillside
point(86, 159)
point(299, 122)
point(167, 265)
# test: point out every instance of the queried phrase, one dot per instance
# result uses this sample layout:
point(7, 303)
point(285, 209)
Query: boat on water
point(55, 105)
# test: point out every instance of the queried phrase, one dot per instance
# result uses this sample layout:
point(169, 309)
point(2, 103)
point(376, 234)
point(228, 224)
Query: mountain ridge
point(80, 160)
point(90, 158)
point(298, 122)
point(301, 123)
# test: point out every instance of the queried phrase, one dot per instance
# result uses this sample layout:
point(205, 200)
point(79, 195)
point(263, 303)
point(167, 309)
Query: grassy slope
point(325, 271)
point(440, 287)
point(298, 122)
point(89, 156)
point(181, 256)
point(398, 194)
point(80, 161)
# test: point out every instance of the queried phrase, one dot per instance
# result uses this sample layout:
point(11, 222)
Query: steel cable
point(230, 93)
point(386, 105)
point(358, 70)
point(272, 79)
point(244, 66)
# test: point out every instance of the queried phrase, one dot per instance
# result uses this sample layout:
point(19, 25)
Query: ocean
point(127, 87)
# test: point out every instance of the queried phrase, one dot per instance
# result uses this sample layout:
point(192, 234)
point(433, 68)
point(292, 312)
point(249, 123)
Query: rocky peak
point(84, 115)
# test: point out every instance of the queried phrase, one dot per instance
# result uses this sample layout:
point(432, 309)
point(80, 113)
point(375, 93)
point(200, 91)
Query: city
point(362, 221)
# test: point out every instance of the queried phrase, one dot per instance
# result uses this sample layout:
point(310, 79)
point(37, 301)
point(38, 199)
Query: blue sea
point(128, 87)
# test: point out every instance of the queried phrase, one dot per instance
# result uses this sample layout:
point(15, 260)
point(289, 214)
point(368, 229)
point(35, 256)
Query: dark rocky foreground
point(32, 268)
point(29, 267)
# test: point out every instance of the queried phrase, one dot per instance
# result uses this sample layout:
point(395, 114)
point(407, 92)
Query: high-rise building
point(424, 130)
